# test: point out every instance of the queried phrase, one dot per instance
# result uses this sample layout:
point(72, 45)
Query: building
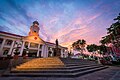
point(31, 44)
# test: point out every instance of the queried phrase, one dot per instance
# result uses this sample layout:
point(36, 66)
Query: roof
point(55, 44)
point(10, 34)
point(50, 43)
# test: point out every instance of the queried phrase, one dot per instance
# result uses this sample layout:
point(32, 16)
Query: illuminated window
point(33, 45)
point(26, 44)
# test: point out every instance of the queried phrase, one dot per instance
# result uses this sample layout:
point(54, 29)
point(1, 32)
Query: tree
point(113, 35)
point(102, 49)
point(92, 48)
point(106, 40)
point(74, 45)
point(114, 31)
point(79, 44)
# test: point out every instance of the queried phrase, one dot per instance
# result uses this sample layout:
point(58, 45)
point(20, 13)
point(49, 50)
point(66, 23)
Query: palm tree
point(79, 45)
point(74, 45)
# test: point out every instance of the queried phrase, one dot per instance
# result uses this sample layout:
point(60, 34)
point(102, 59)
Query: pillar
point(22, 48)
point(42, 53)
point(62, 53)
point(11, 48)
point(28, 44)
point(38, 50)
point(45, 54)
point(2, 45)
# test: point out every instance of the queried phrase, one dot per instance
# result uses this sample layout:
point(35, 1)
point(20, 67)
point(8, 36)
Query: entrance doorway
point(32, 53)
point(57, 52)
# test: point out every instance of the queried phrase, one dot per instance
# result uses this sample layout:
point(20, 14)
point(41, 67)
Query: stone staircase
point(69, 68)
point(41, 63)
point(77, 61)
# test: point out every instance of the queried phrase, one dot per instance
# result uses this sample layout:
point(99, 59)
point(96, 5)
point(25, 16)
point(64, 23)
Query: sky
point(65, 20)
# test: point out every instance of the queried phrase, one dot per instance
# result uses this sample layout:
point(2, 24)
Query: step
point(55, 70)
point(75, 74)
point(60, 68)
point(90, 71)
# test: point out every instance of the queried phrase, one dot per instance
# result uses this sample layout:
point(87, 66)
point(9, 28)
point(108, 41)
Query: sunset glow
point(65, 20)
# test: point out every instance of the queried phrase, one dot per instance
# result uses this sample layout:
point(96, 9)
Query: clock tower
point(34, 29)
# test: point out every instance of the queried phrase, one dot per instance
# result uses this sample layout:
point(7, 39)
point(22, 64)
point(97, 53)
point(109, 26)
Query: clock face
point(35, 25)
point(35, 29)
point(35, 38)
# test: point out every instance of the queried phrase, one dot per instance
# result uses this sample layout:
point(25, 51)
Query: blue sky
point(66, 20)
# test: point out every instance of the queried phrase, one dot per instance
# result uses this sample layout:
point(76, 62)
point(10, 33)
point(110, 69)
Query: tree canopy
point(113, 33)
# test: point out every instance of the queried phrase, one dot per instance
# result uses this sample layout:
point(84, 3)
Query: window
point(8, 42)
point(40, 53)
point(5, 52)
point(26, 44)
point(33, 45)
point(1, 40)
point(40, 46)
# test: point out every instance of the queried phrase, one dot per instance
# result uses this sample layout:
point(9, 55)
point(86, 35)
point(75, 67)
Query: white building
point(36, 46)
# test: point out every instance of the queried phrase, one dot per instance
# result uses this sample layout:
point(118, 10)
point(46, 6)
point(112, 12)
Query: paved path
point(112, 73)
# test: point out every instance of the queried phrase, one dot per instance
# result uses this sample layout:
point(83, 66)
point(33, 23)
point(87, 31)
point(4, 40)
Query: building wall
point(8, 43)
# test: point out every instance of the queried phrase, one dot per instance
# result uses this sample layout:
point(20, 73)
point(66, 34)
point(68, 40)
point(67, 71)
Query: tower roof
point(35, 22)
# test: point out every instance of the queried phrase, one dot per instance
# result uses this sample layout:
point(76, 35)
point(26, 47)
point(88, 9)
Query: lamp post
point(98, 57)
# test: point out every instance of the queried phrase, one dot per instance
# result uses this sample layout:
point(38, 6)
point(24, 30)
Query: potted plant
point(26, 52)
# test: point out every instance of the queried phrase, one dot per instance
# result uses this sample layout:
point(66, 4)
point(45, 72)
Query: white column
point(38, 50)
point(62, 53)
point(11, 48)
point(2, 45)
point(22, 48)
point(29, 45)
point(46, 54)
point(42, 53)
